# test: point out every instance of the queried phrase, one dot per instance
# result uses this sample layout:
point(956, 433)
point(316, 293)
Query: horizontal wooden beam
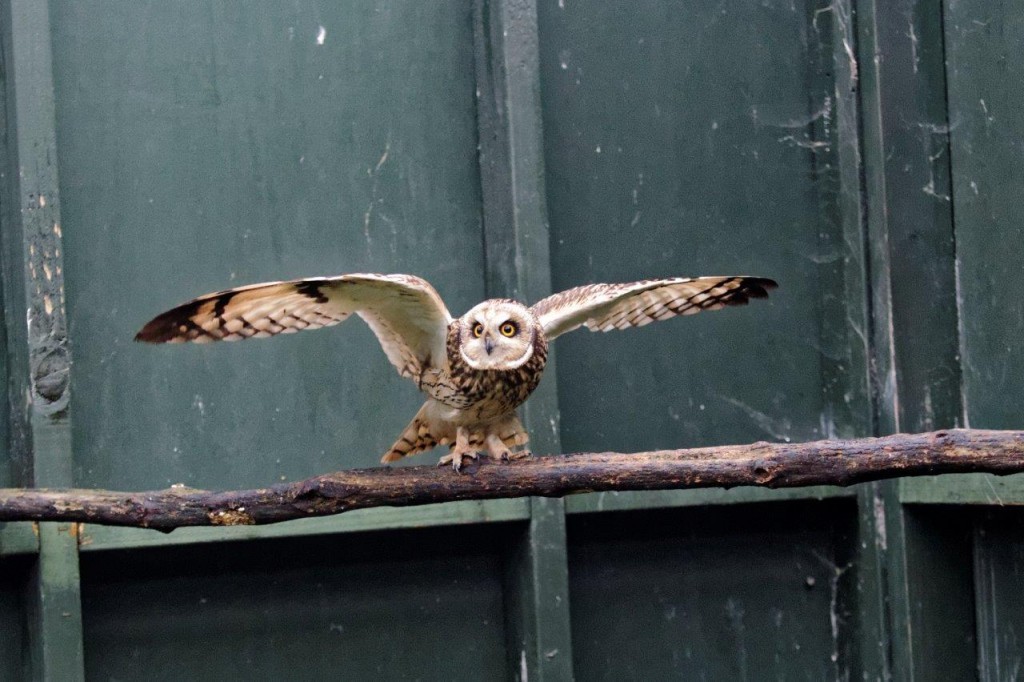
point(773, 465)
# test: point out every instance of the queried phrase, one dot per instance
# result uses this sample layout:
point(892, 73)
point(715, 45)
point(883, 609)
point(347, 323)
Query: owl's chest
point(488, 393)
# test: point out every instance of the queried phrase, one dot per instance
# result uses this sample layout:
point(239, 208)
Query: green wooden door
point(866, 155)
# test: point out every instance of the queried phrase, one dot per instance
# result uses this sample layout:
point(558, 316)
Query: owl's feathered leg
point(502, 437)
point(496, 448)
point(460, 450)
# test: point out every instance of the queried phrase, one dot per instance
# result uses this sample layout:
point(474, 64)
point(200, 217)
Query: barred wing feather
point(407, 315)
point(603, 307)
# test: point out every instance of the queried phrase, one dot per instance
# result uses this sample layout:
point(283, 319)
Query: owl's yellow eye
point(478, 330)
point(508, 329)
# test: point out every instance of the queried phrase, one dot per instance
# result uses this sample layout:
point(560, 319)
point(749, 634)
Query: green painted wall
point(388, 605)
point(669, 150)
point(676, 594)
point(158, 150)
point(986, 46)
point(204, 146)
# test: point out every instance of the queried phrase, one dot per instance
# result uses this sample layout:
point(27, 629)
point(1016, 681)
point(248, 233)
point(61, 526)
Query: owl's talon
point(459, 451)
point(455, 458)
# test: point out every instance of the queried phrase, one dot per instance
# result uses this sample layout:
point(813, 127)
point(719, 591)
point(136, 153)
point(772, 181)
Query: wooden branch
point(774, 465)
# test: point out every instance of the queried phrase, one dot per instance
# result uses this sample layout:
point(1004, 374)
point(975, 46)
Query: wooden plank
point(980, 489)
point(18, 538)
point(38, 354)
point(849, 40)
point(627, 501)
point(516, 243)
point(985, 45)
point(912, 221)
point(914, 341)
point(99, 538)
point(873, 630)
point(999, 595)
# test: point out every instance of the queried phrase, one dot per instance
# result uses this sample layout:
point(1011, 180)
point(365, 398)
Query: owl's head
point(497, 334)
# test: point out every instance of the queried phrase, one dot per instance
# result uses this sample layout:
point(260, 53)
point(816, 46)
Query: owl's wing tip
point(155, 331)
point(170, 326)
point(761, 286)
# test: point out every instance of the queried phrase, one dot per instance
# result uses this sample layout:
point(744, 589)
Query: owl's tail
point(414, 439)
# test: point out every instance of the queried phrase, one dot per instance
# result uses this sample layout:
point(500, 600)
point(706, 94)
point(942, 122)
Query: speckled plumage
point(476, 369)
point(491, 393)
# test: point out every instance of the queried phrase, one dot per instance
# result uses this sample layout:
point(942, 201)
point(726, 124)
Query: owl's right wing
point(407, 315)
point(603, 307)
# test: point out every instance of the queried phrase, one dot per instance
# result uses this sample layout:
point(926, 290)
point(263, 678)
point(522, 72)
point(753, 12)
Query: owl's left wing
point(603, 307)
point(408, 317)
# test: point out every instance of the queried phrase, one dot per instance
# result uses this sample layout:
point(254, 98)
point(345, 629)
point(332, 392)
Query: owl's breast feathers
point(491, 393)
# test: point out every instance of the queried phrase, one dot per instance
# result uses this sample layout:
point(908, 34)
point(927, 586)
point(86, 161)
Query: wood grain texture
point(773, 465)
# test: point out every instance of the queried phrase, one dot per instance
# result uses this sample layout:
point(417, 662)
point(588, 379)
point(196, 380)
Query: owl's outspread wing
point(603, 307)
point(404, 311)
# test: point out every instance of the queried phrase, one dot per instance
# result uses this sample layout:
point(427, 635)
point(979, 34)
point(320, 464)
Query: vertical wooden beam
point(910, 226)
point(516, 251)
point(869, 650)
point(914, 337)
point(38, 353)
point(881, 656)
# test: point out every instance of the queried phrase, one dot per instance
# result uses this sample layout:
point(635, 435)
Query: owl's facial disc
point(497, 335)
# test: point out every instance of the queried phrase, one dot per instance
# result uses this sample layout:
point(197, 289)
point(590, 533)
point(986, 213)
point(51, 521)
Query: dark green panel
point(13, 638)
point(699, 138)
point(985, 52)
point(939, 576)
point(205, 145)
point(999, 593)
point(423, 605)
point(911, 227)
point(732, 594)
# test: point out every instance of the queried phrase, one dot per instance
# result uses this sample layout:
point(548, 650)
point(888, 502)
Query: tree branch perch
point(773, 465)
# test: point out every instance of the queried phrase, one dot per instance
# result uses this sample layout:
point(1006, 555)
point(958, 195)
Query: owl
point(475, 369)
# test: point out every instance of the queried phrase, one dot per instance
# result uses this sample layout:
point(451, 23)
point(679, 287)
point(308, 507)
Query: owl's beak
point(488, 344)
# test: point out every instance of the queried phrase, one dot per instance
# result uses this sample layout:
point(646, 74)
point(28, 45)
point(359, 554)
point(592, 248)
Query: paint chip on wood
point(321, 36)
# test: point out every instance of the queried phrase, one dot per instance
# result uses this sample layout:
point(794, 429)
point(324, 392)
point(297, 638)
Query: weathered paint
point(38, 357)
point(203, 145)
